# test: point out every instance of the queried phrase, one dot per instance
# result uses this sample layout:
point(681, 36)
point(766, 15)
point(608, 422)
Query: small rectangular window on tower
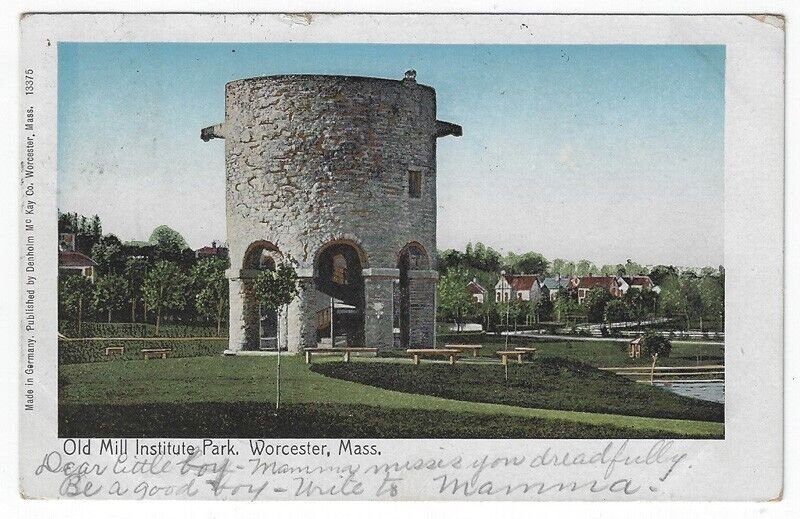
point(414, 183)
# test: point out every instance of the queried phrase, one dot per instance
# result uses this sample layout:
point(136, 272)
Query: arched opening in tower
point(340, 285)
point(262, 325)
point(412, 257)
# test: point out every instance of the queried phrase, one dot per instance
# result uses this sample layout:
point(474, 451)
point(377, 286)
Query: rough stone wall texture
point(422, 310)
point(312, 160)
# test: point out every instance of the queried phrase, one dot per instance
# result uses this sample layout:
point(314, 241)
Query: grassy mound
point(548, 383)
point(323, 420)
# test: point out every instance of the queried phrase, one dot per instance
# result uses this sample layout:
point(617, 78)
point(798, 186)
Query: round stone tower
point(338, 174)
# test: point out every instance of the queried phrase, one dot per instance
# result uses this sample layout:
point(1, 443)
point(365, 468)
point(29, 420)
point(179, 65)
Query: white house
point(523, 287)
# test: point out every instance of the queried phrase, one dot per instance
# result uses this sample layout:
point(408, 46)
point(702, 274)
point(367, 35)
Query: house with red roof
point(476, 291)
point(75, 263)
point(215, 251)
point(638, 282)
point(524, 287)
point(585, 284)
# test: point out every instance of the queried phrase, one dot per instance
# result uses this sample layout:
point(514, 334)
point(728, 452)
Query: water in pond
point(710, 391)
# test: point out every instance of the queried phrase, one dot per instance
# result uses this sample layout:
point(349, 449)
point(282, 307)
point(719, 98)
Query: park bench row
point(148, 353)
point(450, 351)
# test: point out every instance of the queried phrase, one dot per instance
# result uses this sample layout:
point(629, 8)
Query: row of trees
point(160, 290)
point(478, 260)
point(142, 281)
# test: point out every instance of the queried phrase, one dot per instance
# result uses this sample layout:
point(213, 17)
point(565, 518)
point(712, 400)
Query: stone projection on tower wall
point(338, 173)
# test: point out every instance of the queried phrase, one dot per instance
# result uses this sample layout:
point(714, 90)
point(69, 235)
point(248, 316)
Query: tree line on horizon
point(697, 296)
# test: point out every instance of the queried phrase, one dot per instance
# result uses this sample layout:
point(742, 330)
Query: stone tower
point(337, 173)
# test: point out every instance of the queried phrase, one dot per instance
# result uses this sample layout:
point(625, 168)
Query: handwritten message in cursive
point(182, 470)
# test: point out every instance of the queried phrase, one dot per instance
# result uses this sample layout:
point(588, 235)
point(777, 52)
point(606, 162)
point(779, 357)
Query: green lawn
point(596, 353)
point(207, 396)
point(548, 383)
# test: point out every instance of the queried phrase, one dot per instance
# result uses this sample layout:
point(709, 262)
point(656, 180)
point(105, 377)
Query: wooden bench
point(526, 349)
point(309, 352)
point(450, 353)
point(507, 353)
point(115, 349)
point(465, 347)
point(156, 353)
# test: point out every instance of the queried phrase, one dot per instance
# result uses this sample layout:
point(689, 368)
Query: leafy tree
point(110, 293)
point(454, 302)
point(168, 243)
point(135, 273)
point(711, 290)
point(566, 305)
point(595, 303)
point(533, 308)
point(488, 310)
point(671, 297)
point(165, 289)
point(563, 267)
point(546, 309)
point(85, 238)
point(655, 346)
point(647, 303)
point(585, 267)
point(517, 308)
point(211, 289)
point(75, 296)
point(96, 228)
point(661, 273)
point(609, 270)
point(694, 304)
point(274, 290)
point(108, 254)
point(617, 311)
point(680, 295)
point(483, 258)
point(527, 263)
point(448, 259)
point(632, 268)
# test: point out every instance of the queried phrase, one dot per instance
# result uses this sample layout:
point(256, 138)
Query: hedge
point(89, 350)
point(96, 329)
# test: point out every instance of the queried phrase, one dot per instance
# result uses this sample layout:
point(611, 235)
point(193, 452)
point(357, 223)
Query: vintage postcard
point(401, 257)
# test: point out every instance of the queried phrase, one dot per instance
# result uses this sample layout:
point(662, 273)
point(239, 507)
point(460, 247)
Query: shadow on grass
point(548, 383)
point(257, 420)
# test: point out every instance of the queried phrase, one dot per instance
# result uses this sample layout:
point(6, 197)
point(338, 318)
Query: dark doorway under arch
point(338, 276)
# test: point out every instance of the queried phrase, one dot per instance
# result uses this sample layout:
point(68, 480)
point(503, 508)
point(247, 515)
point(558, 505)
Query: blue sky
point(598, 152)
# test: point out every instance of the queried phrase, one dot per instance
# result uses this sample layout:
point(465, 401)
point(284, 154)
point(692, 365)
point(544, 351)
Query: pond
point(710, 391)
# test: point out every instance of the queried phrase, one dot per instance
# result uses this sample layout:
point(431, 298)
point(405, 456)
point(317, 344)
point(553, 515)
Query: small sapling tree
point(655, 346)
point(274, 290)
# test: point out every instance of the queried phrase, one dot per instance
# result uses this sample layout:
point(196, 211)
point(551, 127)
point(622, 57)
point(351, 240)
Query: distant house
point(477, 292)
point(585, 284)
point(551, 286)
point(524, 287)
point(215, 251)
point(75, 263)
point(639, 282)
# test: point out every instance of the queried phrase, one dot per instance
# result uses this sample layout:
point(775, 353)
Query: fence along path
point(704, 373)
